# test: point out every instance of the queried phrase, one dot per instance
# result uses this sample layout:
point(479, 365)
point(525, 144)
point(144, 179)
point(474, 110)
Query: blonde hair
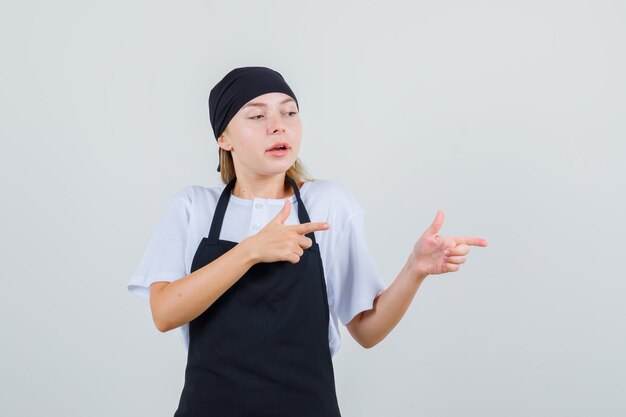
point(297, 171)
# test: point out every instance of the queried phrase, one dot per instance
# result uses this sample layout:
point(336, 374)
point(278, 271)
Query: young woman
point(257, 272)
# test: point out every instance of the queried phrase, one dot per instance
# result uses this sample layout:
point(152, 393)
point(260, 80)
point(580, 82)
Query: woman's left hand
point(434, 254)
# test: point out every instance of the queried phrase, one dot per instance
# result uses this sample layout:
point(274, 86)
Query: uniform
point(270, 336)
point(351, 276)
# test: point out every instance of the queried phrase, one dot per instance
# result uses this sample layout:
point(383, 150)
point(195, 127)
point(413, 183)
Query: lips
point(278, 145)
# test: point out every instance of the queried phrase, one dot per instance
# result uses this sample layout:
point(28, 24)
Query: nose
point(276, 123)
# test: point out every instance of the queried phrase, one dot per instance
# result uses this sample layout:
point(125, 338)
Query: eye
point(255, 117)
point(293, 113)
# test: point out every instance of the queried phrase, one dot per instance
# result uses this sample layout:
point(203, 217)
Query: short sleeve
point(353, 278)
point(164, 256)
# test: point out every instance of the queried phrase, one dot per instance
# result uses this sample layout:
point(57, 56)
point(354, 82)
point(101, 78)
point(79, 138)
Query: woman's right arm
point(176, 303)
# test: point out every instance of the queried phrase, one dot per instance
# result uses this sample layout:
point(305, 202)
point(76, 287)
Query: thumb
point(283, 214)
point(437, 223)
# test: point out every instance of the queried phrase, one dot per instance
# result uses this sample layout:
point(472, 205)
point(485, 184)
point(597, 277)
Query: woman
point(259, 293)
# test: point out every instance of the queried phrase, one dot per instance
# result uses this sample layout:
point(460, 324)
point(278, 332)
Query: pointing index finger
point(469, 240)
point(309, 227)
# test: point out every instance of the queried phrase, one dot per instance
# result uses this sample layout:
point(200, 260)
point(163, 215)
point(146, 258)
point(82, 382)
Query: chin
point(278, 170)
point(283, 164)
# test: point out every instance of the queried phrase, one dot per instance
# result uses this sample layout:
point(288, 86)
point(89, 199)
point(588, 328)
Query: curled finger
point(293, 258)
point(452, 267)
point(456, 259)
point(305, 242)
point(297, 249)
point(461, 249)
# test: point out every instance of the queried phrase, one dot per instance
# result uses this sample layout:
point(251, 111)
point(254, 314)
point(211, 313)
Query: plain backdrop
point(507, 116)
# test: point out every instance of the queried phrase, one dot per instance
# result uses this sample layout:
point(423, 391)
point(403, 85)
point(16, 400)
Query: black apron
point(261, 349)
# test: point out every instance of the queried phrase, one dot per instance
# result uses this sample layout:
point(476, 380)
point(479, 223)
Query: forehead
point(269, 99)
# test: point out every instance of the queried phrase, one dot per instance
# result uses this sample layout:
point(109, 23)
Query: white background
point(508, 116)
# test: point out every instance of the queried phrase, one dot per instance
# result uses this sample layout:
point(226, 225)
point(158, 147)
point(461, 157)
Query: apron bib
point(261, 349)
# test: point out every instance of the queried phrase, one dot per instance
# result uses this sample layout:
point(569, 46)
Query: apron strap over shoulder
point(218, 217)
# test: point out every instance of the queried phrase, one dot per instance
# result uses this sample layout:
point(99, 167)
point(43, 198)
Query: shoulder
point(335, 192)
point(193, 198)
point(191, 194)
point(331, 201)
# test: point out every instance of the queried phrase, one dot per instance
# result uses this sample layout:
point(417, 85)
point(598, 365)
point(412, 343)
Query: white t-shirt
point(352, 280)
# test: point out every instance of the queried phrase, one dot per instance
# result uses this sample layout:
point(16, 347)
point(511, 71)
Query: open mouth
point(279, 146)
point(279, 150)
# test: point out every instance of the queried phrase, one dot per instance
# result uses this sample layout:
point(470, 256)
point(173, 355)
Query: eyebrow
point(265, 105)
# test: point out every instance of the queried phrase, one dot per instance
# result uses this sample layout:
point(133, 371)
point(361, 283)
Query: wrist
point(415, 268)
point(248, 251)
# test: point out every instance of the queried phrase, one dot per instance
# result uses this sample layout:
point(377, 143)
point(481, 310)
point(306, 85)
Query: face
point(256, 128)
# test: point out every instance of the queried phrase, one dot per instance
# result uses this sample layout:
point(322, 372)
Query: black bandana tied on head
point(237, 88)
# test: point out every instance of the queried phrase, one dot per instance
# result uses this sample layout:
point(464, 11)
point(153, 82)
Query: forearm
point(389, 307)
point(182, 300)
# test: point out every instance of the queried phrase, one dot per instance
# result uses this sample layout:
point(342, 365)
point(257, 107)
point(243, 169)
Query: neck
point(274, 186)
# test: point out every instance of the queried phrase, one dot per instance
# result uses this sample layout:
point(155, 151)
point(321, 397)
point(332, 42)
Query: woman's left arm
point(432, 254)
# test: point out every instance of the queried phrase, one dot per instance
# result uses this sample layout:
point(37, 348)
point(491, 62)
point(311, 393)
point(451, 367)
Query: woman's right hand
point(280, 242)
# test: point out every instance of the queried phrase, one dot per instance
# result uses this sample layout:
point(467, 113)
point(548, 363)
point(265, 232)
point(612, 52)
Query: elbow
point(359, 334)
point(161, 326)
point(363, 336)
point(159, 320)
point(365, 345)
point(157, 307)
point(368, 344)
point(364, 341)
point(162, 323)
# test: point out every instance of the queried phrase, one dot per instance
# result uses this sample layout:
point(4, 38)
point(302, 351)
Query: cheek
point(249, 136)
point(295, 137)
point(297, 131)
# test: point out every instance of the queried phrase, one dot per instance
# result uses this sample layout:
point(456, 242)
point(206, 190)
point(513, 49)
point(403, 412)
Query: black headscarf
point(237, 88)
